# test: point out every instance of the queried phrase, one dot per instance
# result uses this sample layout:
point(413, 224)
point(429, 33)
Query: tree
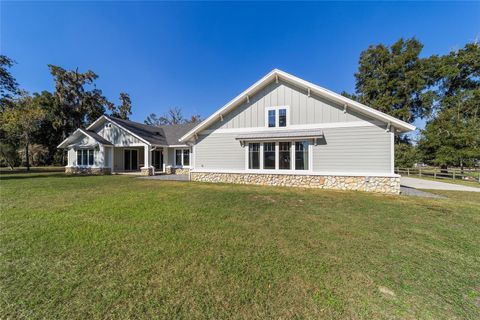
point(8, 84)
point(22, 121)
point(173, 116)
point(394, 80)
point(124, 110)
point(8, 155)
point(406, 154)
point(452, 136)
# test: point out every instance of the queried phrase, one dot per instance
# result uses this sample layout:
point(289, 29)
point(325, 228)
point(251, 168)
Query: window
point(182, 157)
point(272, 119)
point(284, 156)
point(282, 117)
point(277, 117)
point(254, 156)
point(269, 155)
point(281, 155)
point(301, 155)
point(85, 157)
point(186, 157)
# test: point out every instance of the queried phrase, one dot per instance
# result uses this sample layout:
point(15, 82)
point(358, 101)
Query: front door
point(157, 160)
point(130, 162)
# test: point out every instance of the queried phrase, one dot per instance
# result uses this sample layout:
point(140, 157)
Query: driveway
point(434, 185)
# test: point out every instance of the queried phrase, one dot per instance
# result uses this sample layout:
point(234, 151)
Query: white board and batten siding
point(353, 143)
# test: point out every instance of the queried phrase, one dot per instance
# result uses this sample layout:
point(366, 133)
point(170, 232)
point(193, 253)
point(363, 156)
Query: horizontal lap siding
point(219, 151)
point(357, 149)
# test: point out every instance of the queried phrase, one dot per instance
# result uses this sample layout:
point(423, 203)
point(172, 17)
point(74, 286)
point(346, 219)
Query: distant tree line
point(444, 90)
point(173, 116)
point(32, 125)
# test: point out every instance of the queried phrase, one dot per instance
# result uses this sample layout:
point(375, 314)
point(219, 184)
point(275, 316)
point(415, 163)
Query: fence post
point(408, 172)
point(453, 174)
point(434, 174)
point(420, 171)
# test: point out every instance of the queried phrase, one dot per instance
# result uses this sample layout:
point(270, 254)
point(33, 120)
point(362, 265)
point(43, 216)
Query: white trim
point(301, 172)
point(392, 153)
point(334, 97)
point(349, 124)
point(277, 156)
point(175, 165)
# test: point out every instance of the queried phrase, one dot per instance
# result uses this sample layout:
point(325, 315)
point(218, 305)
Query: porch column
point(147, 170)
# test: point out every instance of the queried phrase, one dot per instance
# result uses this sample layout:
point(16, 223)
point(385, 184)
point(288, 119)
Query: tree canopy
point(173, 116)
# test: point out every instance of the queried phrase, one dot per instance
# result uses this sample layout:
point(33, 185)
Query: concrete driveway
point(434, 185)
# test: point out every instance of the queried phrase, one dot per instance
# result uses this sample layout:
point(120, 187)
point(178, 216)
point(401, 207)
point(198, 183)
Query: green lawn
point(122, 247)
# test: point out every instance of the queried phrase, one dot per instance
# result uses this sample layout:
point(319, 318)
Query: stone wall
point(83, 170)
point(389, 185)
point(172, 170)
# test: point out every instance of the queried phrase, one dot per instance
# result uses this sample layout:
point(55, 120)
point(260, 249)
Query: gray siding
point(344, 150)
point(357, 149)
point(219, 151)
point(303, 109)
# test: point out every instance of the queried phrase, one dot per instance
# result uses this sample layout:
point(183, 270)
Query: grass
point(122, 247)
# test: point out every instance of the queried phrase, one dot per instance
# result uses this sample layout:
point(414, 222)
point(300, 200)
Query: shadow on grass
point(36, 175)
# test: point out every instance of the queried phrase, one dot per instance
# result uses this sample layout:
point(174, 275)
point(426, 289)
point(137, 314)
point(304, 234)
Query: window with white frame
point(254, 156)
point(282, 155)
point(85, 157)
point(301, 155)
point(269, 155)
point(182, 157)
point(277, 117)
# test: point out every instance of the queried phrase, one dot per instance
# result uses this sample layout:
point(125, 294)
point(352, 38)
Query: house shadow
point(33, 175)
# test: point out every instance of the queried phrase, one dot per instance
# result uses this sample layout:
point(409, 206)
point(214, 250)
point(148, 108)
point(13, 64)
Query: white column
point(147, 166)
point(112, 162)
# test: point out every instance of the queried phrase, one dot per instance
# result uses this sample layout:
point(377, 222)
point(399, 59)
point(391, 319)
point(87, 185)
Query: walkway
point(434, 185)
point(167, 177)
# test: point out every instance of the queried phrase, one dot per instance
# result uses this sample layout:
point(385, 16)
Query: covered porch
point(141, 160)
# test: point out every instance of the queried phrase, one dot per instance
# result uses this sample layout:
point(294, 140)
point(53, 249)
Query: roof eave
point(397, 123)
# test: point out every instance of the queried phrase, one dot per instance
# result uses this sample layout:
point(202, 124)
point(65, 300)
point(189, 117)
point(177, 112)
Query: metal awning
point(281, 135)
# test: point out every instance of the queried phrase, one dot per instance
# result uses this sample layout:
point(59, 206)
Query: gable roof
point(164, 135)
point(92, 134)
point(276, 75)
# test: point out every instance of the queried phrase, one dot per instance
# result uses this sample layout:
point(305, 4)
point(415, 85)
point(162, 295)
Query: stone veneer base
point(147, 171)
point(170, 170)
point(390, 185)
point(82, 170)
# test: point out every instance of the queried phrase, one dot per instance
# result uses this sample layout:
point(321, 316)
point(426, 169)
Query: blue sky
point(198, 56)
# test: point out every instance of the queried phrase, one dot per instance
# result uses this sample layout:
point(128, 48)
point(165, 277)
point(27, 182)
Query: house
point(280, 131)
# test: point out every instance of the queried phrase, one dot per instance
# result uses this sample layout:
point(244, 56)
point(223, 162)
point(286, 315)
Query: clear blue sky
point(200, 55)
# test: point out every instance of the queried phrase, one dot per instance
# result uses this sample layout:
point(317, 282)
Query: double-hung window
point(85, 157)
point(182, 157)
point(269, 155)
point(277, 117)
point(284, 154)
point(254, 156)
point(301, 155)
